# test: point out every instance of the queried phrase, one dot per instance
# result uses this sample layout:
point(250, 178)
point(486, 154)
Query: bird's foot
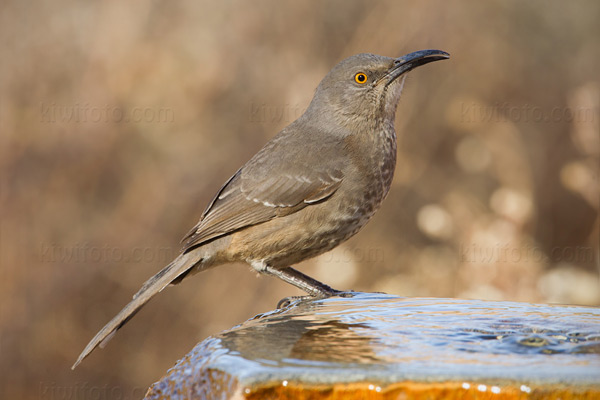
point(286, 301)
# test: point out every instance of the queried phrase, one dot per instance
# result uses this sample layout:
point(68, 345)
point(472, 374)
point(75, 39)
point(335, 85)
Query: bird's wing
point(276, 182)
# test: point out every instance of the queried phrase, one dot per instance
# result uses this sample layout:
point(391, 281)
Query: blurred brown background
point(120, 120)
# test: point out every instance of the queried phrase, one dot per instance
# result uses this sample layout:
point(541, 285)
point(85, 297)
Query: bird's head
point(366, 86)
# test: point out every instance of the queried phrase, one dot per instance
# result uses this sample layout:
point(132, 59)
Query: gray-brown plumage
point(314, 185)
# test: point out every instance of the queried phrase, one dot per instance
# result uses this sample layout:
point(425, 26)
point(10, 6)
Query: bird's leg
point(313, 287)
point(304, 282)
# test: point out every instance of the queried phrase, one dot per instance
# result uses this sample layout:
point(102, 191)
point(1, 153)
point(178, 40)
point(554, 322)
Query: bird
point(311, 187)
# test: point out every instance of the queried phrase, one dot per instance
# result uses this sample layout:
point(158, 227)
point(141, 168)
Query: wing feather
point(246, 201)
point(305, 173)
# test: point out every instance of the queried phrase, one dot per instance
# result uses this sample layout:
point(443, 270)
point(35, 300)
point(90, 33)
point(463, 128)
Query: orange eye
point(361, 78)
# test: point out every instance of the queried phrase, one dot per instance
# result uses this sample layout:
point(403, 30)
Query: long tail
point(180, 266)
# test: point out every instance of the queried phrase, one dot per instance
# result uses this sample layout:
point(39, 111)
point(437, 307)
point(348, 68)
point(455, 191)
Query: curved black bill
point(412, 60)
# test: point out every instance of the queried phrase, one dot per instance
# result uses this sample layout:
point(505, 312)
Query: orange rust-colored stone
point(419, 391)
point(221, 385)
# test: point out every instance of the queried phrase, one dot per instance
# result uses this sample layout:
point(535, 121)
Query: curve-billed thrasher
point(312, 186)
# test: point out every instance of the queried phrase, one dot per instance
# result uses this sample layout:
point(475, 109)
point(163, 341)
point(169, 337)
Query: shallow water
point(384, 338)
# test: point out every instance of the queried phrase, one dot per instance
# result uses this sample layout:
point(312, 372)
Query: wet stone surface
point(380, 340)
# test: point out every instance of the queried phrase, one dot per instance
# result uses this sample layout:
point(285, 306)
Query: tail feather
point(180, 266)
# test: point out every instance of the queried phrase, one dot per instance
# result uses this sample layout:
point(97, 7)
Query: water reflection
point(386, 338)
point(288, 339)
